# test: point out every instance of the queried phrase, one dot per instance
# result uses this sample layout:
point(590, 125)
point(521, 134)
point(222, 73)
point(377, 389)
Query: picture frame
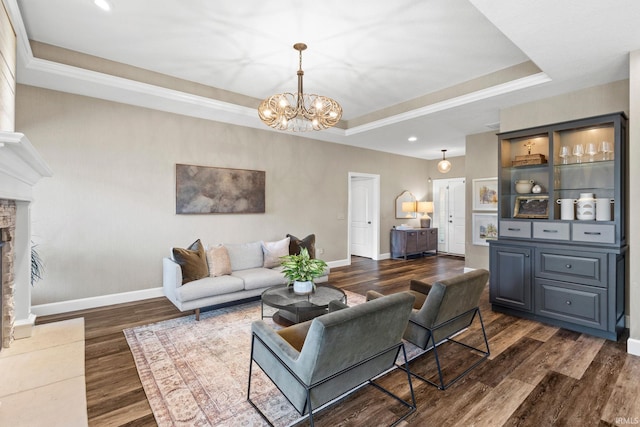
point(214, 190)
point(485, 228)
point(531, 207)
point(485, 194)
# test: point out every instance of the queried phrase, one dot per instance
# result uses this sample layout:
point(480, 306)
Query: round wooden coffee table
point(293, 308)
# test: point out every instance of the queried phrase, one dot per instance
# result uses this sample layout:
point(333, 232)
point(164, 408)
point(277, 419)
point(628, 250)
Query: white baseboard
point(93, 302)
point(633, 346)
point(339, 263)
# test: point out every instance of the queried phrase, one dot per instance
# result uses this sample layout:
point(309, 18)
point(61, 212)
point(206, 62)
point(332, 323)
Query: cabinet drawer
point(551, 230)
point(411, 242)
point(596, 233)
point(581, 305)
point(579, 267)
point(515, 229)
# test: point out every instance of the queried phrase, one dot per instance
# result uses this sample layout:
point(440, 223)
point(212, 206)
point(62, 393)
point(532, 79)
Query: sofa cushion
point(218, 261)
point(208, 287)
point(309, 242)
point(255, 278)
point(245, 255)
point(273, 251)
point(192, 261)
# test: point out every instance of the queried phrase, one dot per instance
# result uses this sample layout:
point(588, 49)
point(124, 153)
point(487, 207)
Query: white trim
point(24, 328)
point(338, 263)
point(633, 346)
point(375, 236)
point(468, 98)
point(93, 302)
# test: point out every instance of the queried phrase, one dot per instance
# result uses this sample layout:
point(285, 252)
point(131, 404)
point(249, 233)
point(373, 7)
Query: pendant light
point(444, 165)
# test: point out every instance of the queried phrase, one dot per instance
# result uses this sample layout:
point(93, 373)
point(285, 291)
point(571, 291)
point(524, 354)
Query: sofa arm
point(371, 295)
point(336, 305)
point(272, 340)
point(419, 286)
point(171, 277)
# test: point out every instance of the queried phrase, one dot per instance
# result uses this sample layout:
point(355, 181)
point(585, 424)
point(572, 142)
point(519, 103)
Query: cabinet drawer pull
point(593, 233)
point(568, 302)
point(513, 229)
point(550, 231)
point(568, 265)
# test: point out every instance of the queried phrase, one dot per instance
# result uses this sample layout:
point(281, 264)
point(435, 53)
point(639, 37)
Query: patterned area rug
point(195, 373)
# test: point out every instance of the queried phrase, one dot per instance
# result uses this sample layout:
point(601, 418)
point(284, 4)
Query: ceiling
point(434, 69)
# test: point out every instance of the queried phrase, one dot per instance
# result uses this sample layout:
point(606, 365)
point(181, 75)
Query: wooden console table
point(415, 241)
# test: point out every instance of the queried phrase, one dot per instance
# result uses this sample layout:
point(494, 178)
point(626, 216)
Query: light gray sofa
point(249, 278)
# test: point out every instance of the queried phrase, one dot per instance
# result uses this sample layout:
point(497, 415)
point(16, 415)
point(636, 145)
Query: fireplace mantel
point(21, 167)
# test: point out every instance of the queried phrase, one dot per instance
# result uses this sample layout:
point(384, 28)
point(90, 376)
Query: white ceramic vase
point(302, 288)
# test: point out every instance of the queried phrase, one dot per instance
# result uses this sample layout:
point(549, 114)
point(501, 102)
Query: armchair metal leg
point(485, 354)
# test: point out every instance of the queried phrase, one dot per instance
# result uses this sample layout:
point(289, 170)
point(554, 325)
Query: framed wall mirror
point(404, 202)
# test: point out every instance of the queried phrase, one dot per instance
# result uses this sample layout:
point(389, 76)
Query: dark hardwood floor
point(537, 375)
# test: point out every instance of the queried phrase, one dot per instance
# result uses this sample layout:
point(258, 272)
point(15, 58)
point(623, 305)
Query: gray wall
point(483, 149)
point(106, 218)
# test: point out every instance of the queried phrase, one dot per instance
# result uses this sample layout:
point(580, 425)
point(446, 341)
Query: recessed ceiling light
point(412, 139)
point(103, 4)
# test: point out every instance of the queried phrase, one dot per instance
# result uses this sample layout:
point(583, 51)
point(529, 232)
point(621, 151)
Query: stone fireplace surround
point(21, 167)
point(7, 231)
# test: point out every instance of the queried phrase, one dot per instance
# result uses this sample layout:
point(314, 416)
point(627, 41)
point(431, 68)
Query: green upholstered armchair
point(315, 362)
point(442, 310)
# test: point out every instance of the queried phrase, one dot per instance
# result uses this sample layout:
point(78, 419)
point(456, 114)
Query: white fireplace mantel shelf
point(21, 166)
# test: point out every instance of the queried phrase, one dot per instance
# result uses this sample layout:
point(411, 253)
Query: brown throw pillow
point(218, 260)
point(296, 244)
point(193, 262)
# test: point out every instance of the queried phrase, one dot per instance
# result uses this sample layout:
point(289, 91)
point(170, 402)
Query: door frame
point(444, 233)
point(375, 229)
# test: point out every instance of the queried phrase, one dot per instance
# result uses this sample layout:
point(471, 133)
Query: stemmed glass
point(578, 151)
point(564, 154)
point(591, 151)
point(605, 148)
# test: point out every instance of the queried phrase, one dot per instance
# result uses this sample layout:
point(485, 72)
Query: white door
point(449, 214)
point(361, 216)
point(456, 217)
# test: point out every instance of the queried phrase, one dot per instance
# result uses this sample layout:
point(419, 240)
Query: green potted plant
point(301, 269)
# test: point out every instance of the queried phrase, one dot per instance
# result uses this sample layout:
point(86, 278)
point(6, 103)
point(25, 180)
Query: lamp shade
point(425, 207)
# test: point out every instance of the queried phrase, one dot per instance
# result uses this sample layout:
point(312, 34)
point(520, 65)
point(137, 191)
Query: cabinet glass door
point(584, 169)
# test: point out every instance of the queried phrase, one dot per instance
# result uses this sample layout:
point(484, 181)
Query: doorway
point(364, 215)
point(449, 214)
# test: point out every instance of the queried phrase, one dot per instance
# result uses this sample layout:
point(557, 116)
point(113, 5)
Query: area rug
point(195, 373)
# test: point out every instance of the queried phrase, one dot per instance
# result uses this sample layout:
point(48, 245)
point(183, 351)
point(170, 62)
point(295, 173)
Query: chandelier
point(300, 112)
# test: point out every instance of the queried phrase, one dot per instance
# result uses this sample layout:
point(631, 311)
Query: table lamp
point(426, 208)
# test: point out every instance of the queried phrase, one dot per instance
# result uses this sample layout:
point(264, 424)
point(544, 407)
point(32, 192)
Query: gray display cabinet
point(547, 264)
